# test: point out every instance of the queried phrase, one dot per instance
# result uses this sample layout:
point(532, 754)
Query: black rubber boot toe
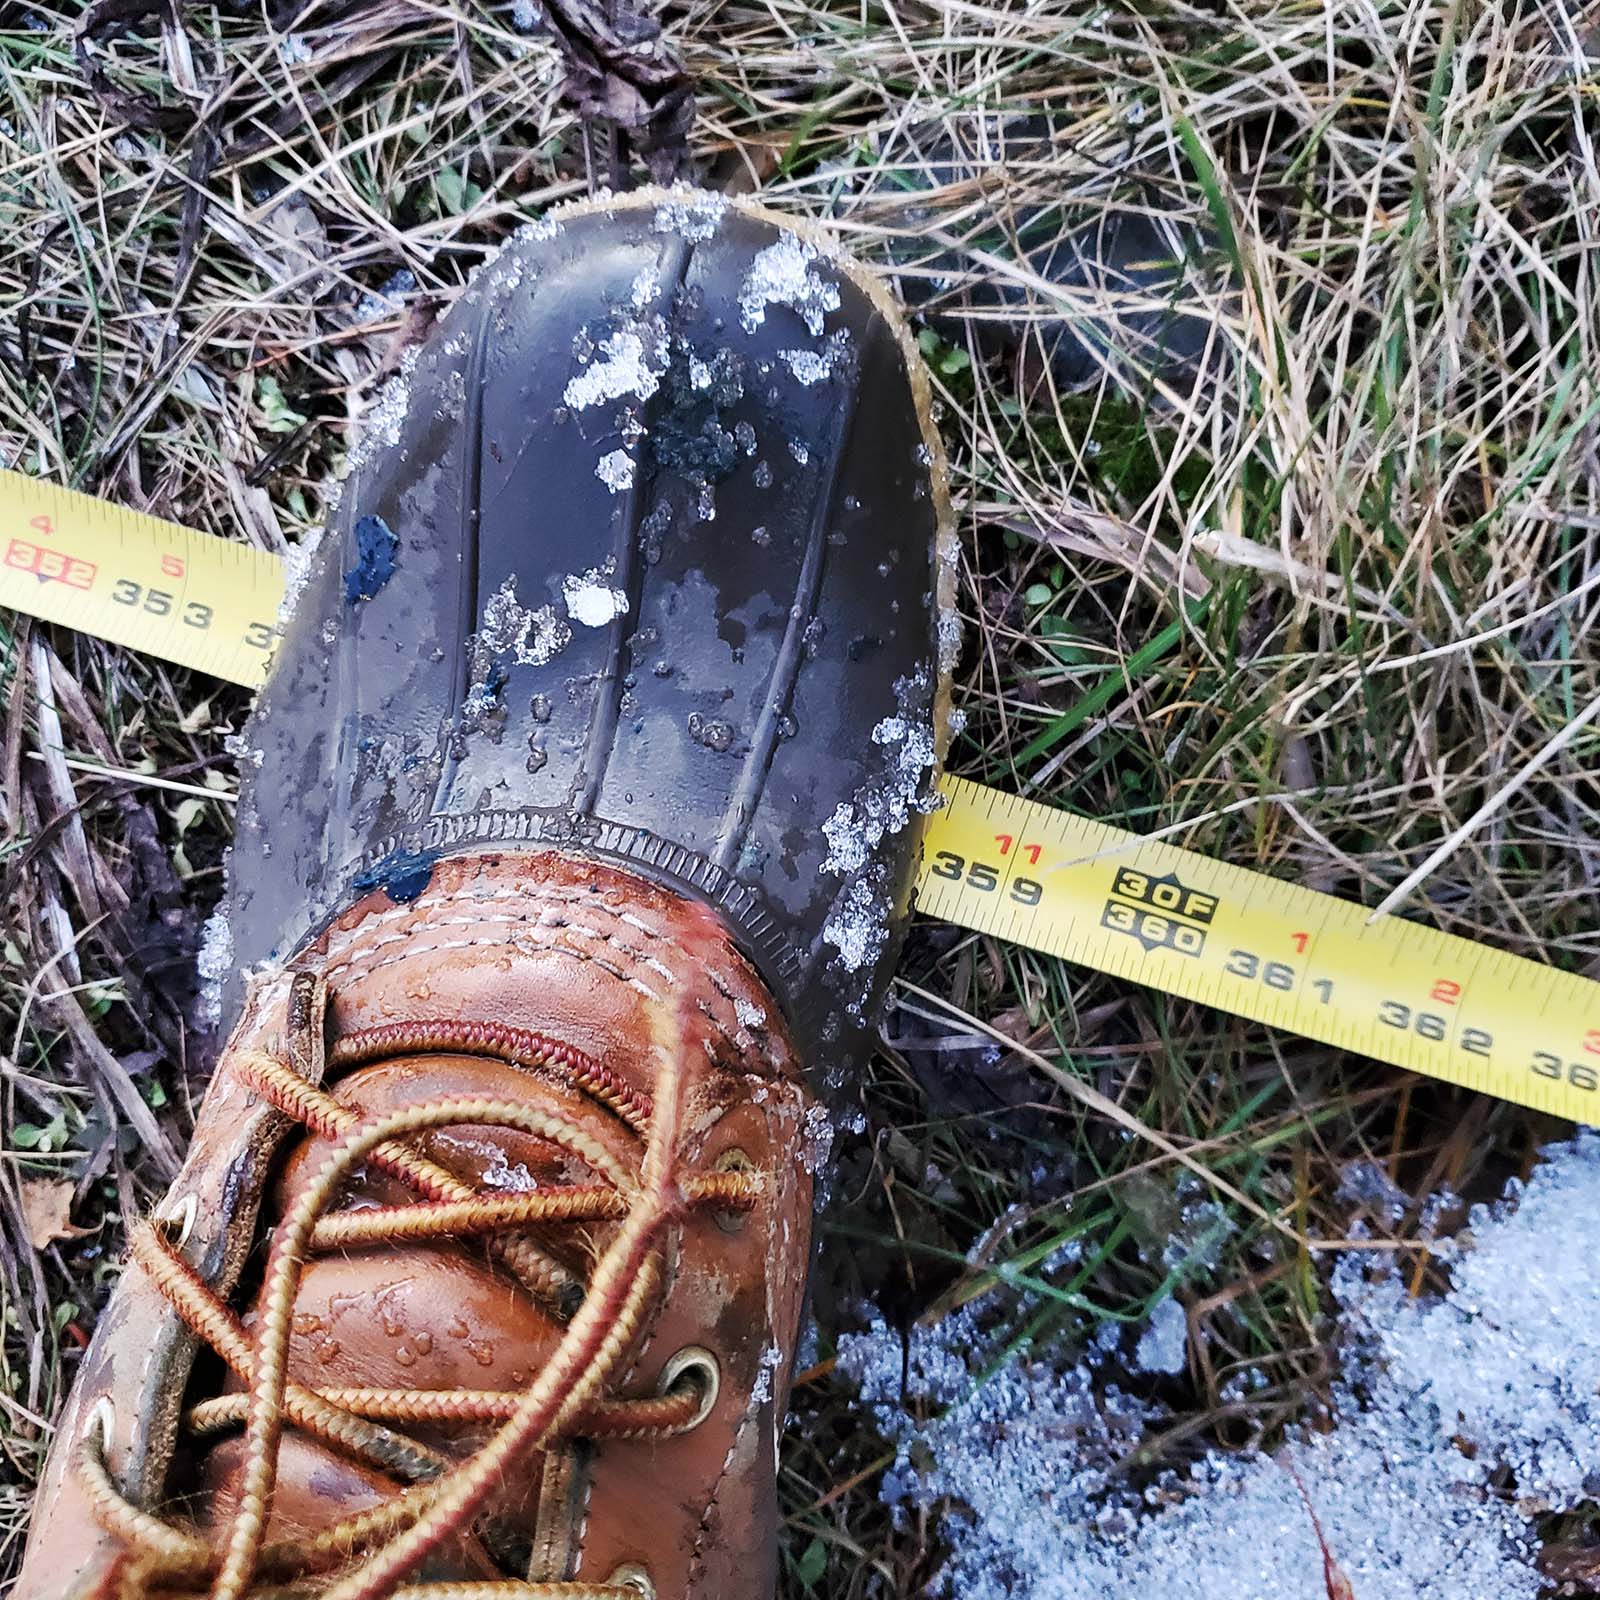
point(647, 557)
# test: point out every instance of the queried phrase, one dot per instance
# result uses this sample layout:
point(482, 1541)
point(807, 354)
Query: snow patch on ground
point(1437, 1396)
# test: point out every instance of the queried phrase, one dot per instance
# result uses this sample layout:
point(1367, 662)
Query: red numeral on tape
point(50, 565)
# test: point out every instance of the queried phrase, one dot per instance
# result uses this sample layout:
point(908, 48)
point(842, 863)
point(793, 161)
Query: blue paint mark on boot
point(402, 874)
point(376, 546)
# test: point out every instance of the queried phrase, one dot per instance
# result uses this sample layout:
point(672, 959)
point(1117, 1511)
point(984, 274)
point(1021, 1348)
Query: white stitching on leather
point(354, 947)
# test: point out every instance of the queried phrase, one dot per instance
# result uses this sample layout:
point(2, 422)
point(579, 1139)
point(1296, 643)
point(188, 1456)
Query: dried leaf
point(1574, 1565)
point(46, 1208)
point(620, 70)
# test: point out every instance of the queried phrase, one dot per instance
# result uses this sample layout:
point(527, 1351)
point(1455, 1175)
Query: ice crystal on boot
point(785, 274)
point(591, 600)
point(506, 626)
point(692, 214)
point(615, 471)
point(214, 963)
point(633, 360)
point(859, 825)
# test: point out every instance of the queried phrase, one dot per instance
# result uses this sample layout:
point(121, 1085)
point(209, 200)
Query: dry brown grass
point(1326, 610)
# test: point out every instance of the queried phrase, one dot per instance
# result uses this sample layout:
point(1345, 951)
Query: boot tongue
point(437, 1316)
point(491, 1159)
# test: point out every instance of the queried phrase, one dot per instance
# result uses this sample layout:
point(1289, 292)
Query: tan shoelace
point(368, 1556)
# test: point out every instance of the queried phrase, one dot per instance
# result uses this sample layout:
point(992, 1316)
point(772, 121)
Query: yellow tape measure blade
point(1092, 894)
point(1264, 949)
point(203, 602)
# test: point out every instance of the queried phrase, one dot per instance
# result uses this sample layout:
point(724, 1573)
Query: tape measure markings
point(151, 585)
point(1265, 949)
point(1141, 909)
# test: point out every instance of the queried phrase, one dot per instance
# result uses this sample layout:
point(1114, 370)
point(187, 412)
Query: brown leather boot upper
point(485, 1264)
point(627, 651)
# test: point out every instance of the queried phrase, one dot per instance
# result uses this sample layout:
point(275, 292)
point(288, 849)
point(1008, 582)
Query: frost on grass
point(1164, 1344)
point(1437, 1399)
point(785, 274)
point(1366, 1185)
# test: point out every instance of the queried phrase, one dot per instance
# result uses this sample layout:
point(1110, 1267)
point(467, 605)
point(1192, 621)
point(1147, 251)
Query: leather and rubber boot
point(577, 830)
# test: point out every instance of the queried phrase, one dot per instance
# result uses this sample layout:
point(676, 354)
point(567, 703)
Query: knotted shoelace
point(370, 1554)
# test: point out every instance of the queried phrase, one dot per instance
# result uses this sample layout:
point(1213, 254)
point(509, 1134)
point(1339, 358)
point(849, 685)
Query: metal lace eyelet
point(696, 1361)
point(630, 1575)
point(732, 1161)
point(179, 1219)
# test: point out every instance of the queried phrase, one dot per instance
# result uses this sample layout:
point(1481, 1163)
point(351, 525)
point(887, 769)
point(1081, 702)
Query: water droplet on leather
point(424, 1343)
point(304, 1322)
point(403, 1355)
point(539, 708)
point(328, 1351)
point(482, 1353)
point(537, 759)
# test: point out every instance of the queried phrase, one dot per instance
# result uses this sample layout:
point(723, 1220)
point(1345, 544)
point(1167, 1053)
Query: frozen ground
point(1455, 1423)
